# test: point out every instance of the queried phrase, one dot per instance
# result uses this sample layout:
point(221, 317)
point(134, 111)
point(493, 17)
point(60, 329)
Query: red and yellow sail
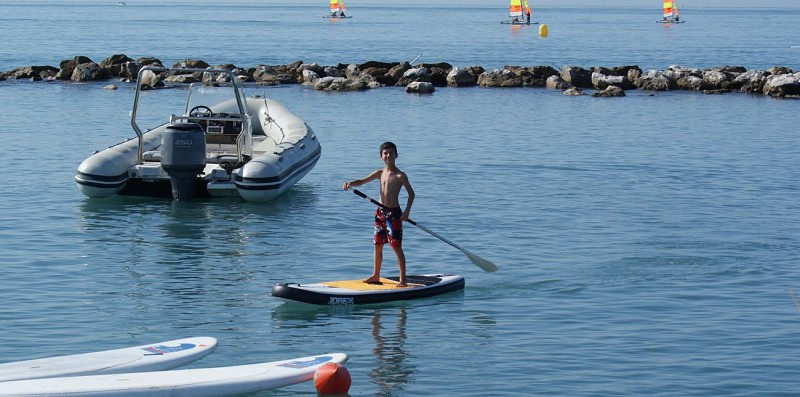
point(516, 7)
point(669, 9)
point(337, 6)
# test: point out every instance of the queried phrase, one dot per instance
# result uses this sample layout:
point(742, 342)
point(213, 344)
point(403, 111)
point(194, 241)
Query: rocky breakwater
point(779, 82)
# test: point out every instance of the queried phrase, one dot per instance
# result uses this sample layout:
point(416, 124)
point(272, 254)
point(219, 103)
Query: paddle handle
point(378, 203)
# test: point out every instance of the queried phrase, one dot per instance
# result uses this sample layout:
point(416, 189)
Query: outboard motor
point(183, 156)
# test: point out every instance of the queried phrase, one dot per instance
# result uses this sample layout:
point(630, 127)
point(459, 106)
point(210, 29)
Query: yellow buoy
point(543, 30)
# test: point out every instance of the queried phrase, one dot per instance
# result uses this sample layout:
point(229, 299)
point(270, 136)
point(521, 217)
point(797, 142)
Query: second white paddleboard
point(153, 357)
point(199, 382)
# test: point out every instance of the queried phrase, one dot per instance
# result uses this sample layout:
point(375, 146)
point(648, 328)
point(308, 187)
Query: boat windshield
point(219, 108)
point(218, 98)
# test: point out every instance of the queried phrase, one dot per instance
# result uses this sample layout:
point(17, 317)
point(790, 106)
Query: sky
point(632, 3)
point(680, 3)
point(794, 4)
point(613, 3)
point(537, 3)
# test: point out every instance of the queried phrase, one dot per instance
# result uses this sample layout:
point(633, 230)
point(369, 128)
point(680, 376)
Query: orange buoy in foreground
point(332, 378)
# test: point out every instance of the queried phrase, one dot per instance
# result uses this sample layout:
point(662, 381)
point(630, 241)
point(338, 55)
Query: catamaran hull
point(275, 167)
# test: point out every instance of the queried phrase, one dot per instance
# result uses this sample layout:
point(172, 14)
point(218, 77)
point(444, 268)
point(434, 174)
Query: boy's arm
point(358, 182)
point(410, 192)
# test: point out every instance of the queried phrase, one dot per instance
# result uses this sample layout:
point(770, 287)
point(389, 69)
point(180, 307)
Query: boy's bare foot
point(402, 285)
point(373, 280)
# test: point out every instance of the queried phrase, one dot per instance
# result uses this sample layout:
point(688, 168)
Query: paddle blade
point(480, 262)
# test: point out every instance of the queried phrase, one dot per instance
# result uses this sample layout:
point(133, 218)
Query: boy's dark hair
point(388, 145)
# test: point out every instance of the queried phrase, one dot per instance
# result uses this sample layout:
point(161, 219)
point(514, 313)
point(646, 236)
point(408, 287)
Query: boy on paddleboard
point(388, 221)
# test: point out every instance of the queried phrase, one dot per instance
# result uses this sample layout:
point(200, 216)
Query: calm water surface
point(647, 245)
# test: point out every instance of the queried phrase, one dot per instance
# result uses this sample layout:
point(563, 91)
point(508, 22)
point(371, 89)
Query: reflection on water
point(386, 323)
point(389, 331)
point(189, 232)
point(176, 256)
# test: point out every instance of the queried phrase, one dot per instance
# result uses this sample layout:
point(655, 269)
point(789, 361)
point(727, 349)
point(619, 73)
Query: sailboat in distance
point(337, 10)
point(515, 14)
point(670, 13)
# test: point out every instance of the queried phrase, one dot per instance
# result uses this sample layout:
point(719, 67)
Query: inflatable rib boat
point(224, 144)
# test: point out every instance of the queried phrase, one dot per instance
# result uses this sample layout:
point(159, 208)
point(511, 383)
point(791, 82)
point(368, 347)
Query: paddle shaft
point(480, 262)
point(378, 203)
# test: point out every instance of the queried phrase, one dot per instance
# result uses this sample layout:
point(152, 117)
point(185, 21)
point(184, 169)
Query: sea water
point(647, 245)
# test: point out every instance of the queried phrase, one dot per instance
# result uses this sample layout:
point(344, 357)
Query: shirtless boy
point(388, 222)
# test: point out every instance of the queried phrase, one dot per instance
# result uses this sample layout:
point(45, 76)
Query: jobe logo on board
point(305, 364)
point(334, 300)
point(164, 349)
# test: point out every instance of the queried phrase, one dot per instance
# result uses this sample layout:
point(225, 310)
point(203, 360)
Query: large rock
point(779, 70)
point(309, 76)
point(274, 75)
point(437, 73)
point(361, 80)
point(576, 76)
point(378, 65)
point(331, 71)
point(752, 81)
point(537, 76)
point(555, 82)
point(380, 71)
point(314, 67)
point(783, 86)
point(115, 65)
point(655, 80)
point(338, 84)
point(89, 71)
point(694, 83)
point(35, 73)
point(438, 76)
point(67, 66)
point(191, 63)
point(499, 78)
point(715, 77)
point(150, 61)
point(414, 75)
point(393, 76)
point(352, 72)
point(602, 81)
point(331, 84)
point(609, 92)
point(723, 78)
point(150, 80)
point(676, 72)
point(629, 71)
point(620, 76)
point(187, 78)
point(420, 87)
point(464, 77)
point(240, 74)
point(573, 92)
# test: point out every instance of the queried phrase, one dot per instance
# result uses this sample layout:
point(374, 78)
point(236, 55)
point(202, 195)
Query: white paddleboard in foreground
point(153, 357)
point(199, 382)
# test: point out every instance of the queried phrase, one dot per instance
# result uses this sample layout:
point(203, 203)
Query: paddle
point(477, 260)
